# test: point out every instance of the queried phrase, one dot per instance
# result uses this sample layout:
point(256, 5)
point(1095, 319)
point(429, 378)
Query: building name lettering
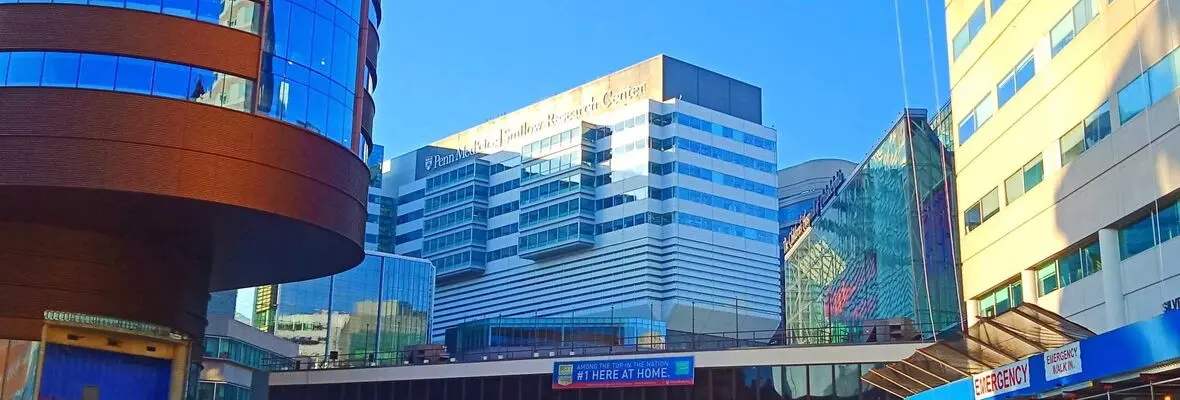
point(527, 129)
point(1172, 305)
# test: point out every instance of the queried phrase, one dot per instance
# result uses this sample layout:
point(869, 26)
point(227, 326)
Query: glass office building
point(379, 306)
point(883, 248)
point(647, 193)
point(579, 335)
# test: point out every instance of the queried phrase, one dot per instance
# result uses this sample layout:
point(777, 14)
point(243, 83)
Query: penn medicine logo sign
point(1009, 378)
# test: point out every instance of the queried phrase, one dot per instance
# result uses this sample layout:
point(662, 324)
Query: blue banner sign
point(631, 372)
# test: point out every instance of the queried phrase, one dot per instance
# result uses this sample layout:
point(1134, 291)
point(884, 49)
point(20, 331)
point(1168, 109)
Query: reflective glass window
point(1014, 186)
point(1069, 267)
point(967, 32)
point(966, 128)
point(1062, 33)
point(153, 6)
point(97, 71)
point(1034, 173)
point(1133, 99)
point(24, 68)
point(210, 10)
point(3, 68)
point(108, 3)
point(989, 205)
point(996, 4)
point(300, 35)
point(1047, 276)
point(1168, 221)
point(181, 8)
point(171, 80)
point(1072, 145)
point(819, 380)
point(1162, 78)
point(61, 69)
point(1097, 125)
point(134, 75)
point(1137, 237)
point(1006, 89)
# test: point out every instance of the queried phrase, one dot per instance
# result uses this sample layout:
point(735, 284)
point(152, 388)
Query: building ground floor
point(1135, 362)
point(765, 373)
point(840, 381)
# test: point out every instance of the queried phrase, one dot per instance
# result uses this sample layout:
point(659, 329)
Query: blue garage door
point(86, 374)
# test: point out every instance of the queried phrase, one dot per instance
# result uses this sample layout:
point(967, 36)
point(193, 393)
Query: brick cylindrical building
point(152, 151)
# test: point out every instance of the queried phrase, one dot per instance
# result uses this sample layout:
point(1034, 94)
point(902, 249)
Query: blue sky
point(829, 70)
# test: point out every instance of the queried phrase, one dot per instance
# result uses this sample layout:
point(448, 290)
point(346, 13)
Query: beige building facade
point(1067, 156)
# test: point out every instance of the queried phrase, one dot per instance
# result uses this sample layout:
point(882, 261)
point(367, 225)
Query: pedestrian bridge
point(872, 353)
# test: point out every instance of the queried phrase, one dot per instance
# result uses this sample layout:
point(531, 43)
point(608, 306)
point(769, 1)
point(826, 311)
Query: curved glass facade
point(243, 15)
point(309, 66)
point(380, 306)
point(125, 74)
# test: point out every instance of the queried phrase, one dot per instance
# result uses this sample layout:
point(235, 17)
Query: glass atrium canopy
point(990, 343)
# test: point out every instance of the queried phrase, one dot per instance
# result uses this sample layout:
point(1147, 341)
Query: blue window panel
point(1025, 71)
point(181, 8)
point(24, 68)
point(201, 85)
point(325, 9)
point(61, 70)
point(300, 36)
point(338, 128)
point(1168, 221)
point(295, 104)
point(1161, 78)
point(171, 81)
point(97, 71)
point(966, 129)
point(1137, 237)
point(280, 24)
point(321, 48)
point(1133, 99)
point(210, 10)
point(153, 6)
point(298, 73)
point(1097, 125)
point(996, 4)
point(269, 103)
point(134, 75)
point(340, 93)
point(340, 53)
point(1006, 89)
point(317, 112)
point(3, 68)
point(320, 82)
point(108, 3)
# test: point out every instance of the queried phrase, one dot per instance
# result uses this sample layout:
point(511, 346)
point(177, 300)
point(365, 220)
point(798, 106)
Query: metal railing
point(672, 342)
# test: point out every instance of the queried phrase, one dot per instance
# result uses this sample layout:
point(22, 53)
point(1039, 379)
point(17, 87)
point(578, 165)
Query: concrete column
point(1112, 278)
point(972, 311)
point(1029, 286)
